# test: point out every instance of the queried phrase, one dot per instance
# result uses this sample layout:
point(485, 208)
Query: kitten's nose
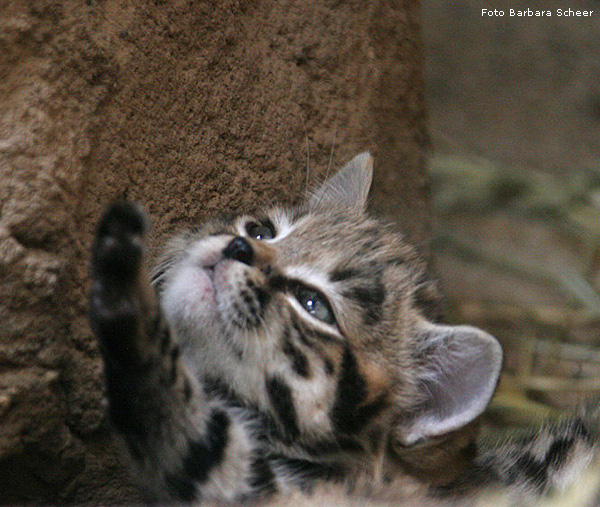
point(239, 249)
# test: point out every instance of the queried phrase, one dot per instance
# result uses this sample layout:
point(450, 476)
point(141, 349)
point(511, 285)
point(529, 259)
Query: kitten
point(297, 349)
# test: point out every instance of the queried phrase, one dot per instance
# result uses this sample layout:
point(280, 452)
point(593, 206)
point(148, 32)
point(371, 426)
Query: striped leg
point(183, 445)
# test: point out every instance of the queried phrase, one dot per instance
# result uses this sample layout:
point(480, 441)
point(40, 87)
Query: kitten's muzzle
point(239, 249)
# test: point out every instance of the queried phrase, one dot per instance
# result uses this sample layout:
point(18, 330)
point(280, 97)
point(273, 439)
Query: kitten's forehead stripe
point(296, 214)
point(341, 274)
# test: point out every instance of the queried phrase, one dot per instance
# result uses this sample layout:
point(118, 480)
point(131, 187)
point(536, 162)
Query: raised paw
point(117, 251)
point(119, 302)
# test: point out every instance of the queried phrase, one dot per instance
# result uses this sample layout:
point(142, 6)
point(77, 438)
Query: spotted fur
point(300, 350)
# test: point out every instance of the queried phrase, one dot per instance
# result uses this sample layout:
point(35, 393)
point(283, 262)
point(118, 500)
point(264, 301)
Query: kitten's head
point(320, 315)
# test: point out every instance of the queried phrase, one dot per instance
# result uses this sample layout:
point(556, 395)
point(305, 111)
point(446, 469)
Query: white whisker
point(330, 157)
point(307, 152)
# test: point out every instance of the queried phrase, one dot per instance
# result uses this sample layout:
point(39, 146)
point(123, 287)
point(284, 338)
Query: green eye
point(260, 231)
point(315, 303)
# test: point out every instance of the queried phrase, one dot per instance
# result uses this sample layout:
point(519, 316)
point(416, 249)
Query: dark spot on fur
point(262, 478)
point(266, 423)
point(396, 261)
point(580, 429)
point(262, 296)
point(283, 404)
point(370, 410)
point(165, 341)
point(307, 471)
point(187, 390)
point(181, 487)
point(175, 352)
point(340, 274)
point(299, 333)
point(298, 359)
point(247, 297)
point(341, 444)
point(559, 451)
point(469, 452)
point(205, 454)
point(530, 469)
point(351, 392)
point(278, 283)
point(370, 297)
point(329, 367)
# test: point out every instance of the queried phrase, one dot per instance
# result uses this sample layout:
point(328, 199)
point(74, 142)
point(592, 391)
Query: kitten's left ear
point(349, 188)
point(458, 369)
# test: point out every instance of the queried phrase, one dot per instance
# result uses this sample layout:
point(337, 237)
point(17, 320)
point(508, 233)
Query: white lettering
point(491, 13)
point(528, 13)
point(573, 13)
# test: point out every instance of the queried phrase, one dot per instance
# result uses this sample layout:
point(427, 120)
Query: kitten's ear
point(348, 188)
point(458, 369)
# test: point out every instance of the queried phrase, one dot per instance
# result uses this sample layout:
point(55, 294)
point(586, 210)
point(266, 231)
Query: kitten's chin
point(189, 297)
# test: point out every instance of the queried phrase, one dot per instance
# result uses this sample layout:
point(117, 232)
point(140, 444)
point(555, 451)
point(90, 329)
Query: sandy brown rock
point(190, 108)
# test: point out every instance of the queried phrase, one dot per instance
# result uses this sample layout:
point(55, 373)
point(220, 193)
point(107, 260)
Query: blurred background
point(514, 107)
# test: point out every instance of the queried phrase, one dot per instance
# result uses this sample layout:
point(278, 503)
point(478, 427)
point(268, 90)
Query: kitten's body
point(299, 350)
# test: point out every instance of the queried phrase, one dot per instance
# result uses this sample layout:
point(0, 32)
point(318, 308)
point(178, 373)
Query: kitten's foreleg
point(181, 443)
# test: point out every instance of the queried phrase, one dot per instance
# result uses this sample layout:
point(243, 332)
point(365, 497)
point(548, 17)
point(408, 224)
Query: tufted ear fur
point(348, 188)
point(458, 369)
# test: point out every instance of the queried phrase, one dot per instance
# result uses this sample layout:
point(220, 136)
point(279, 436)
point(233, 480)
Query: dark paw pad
point(119, 240)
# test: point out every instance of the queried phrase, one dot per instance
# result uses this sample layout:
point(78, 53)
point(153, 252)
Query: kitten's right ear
point(457, 370)
point(348, 189)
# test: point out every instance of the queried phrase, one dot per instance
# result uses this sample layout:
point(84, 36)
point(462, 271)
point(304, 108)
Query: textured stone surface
point(190, 108)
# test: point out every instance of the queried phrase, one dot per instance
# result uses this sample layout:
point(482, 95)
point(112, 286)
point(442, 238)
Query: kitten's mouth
point(209, 271)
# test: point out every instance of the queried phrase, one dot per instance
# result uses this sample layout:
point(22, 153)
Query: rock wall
point(190, 108)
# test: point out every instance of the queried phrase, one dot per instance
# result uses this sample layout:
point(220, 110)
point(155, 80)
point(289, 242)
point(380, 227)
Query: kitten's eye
point(315, 303)
point(260, 231)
